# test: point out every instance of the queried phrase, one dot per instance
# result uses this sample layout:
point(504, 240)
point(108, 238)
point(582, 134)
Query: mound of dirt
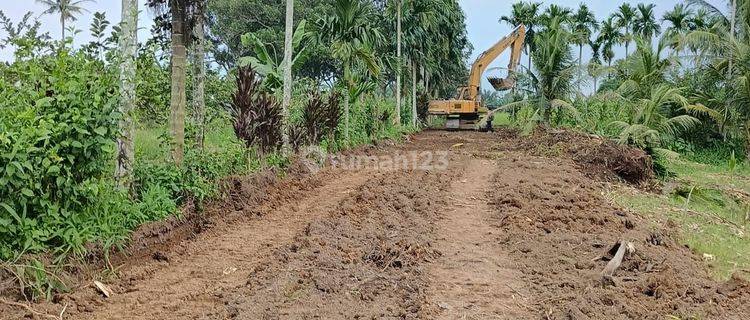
point(362, 261)
point(558, 229)
point(598, 157)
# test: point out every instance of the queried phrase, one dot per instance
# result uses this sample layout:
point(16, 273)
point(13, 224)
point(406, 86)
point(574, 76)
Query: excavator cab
point(466, 110)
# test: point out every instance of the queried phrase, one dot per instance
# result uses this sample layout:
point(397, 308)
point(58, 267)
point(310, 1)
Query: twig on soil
point(30, 309)
point(515, 291)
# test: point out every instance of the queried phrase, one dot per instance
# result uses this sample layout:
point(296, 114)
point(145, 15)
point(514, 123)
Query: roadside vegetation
point(680, 92)
point(99, 138)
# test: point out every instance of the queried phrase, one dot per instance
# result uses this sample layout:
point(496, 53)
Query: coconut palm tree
point(553, 67)
point(725, 61)
point(526, 13)
point(650, 123)
point(68, 10)
point(646, 68)
point(646, 24)
point(625, 18)
point(584, 24)
point(125, 144)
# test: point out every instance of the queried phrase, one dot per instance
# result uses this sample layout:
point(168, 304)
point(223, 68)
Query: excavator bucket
point(502, 84)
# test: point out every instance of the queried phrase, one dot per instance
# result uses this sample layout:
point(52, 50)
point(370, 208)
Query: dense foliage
point(55, 143)
point(683, 89)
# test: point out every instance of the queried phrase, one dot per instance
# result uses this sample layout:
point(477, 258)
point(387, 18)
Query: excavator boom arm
point(515, 41)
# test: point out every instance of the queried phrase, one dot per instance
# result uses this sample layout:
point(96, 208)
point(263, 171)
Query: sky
point(481, 16)
point(16, 9)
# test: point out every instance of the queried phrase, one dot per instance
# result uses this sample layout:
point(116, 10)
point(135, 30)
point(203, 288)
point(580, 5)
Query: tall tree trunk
point(287, 74)
point(596, 78)
point(62, 23)
point(414, 93)
point(199, 76)
point(580, 67)
point(627, 45)
point(732, 27)
point(528, 54)
point(125, 145)
point(427, 85)
point(177, 99)
point(397, 118)
point(346, 102)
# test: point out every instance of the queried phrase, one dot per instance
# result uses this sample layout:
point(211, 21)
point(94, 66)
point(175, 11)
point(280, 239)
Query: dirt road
point(501, 233)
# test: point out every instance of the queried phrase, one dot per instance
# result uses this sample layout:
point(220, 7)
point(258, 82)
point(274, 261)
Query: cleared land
point(514, 228)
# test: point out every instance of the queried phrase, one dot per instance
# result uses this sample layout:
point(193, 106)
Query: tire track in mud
point(473, 279)
point(190, 286)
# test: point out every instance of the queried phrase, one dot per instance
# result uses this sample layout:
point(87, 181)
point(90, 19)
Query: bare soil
point(514, 228)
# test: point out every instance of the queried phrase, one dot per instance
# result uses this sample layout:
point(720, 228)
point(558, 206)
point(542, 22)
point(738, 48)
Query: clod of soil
point(596, 156)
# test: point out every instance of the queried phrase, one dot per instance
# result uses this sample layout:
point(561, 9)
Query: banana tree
point(264, 63)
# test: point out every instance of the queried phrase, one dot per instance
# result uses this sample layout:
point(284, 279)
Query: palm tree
point(625, 18)
point(725, 59)
point(651, 124)
point(68, 10)
point(128, 44)
point(701, 20)
point(181, 13)
point(397, 117)
point(680, 19)
point(287, 101)
point(647, 68)
point(421, 22)
point(646, 24)
point(556, 12)
point(594, 68)
point(351, 35)
point(609, 36)
point(526, 13)
point(553, 66)
point(584, 24)
point(199, 73)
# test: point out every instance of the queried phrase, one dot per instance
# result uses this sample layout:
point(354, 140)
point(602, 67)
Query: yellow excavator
point(466, 111)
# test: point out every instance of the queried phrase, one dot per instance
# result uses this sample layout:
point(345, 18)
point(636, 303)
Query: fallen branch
point(613, 264)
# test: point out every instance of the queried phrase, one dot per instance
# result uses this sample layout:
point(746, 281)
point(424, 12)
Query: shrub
point(256, 115)
point(58, 123)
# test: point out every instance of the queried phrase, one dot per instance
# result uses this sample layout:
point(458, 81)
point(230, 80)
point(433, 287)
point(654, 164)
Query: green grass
point(711, 204)
point(150, 143)
point(502, 119)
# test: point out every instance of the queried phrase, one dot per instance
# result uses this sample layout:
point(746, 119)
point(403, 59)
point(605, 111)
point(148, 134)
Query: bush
point(197, 177)
point(58, 123)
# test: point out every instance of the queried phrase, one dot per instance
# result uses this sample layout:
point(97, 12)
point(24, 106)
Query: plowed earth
point(509, 230)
